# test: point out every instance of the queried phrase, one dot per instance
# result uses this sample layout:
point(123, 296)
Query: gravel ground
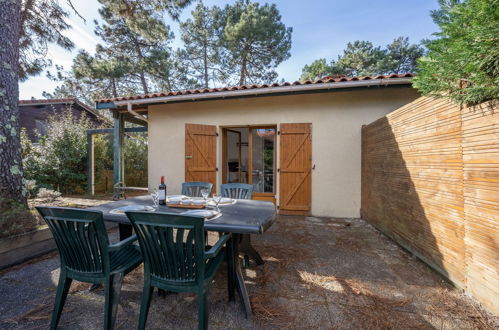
point(319, 273)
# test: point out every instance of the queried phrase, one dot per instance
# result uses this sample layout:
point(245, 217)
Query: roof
point(63, 101)
point(326, 82)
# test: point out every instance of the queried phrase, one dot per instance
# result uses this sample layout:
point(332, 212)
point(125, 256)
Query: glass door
point(262, 159)
point(249, 157)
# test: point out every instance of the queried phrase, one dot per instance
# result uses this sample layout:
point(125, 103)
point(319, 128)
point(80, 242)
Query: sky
point(321, 29)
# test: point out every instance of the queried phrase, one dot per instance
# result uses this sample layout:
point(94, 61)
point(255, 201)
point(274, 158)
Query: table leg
point(248, 250)
point(126, 230)
point(231, 278)
point(241, 287)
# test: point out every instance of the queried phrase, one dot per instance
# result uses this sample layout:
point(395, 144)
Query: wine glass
point(205, 193)
point(155, 198)
point(217, 198)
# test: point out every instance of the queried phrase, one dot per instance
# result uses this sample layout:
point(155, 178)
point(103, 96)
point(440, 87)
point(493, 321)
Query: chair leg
point(112, 296)
point(202, 311)
point(60, 298)
point(144, 304)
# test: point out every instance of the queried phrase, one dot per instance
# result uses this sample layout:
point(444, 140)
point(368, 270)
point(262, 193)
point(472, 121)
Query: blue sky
point(321, 28)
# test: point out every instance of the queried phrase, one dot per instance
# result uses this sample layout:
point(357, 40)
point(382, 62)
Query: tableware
point(217, 198)
point(205, 193)
point(123, 209)
point(155, 198)
point(175, 198)
point(207, 214)
point(186, 202)
point(198, 202)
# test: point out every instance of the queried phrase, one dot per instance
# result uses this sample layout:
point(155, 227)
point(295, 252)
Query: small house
point(298, 144)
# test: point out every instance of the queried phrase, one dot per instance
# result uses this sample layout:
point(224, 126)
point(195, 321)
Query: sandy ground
point(321, 273)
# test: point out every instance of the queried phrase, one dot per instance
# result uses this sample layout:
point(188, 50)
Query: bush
point(58, 160)
point(48, 194)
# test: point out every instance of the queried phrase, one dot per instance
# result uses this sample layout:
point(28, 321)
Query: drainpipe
point(134, 113)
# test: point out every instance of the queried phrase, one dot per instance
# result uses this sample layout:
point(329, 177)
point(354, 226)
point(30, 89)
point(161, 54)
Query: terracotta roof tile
point(323, 80)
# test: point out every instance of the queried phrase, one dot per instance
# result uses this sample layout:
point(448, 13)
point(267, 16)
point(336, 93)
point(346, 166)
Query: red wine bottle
point(162, 191)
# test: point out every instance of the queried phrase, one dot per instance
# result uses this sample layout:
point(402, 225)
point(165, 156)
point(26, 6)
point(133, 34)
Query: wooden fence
point(430, 181)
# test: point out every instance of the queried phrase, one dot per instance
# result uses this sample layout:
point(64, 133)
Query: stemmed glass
point(155, 199)
point(205, 193)
point(217, 198)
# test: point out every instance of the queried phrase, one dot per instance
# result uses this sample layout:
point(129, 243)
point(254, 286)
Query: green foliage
point(58, 160)
point(202, 36)
point(136, 160)
point(256, 41)
point(463, 62)
point(319, 68)
point(362, 58)
point(42, 22)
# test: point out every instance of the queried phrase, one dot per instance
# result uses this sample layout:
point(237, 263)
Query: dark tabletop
point(244, 217)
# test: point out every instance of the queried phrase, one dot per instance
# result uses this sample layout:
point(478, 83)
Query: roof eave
point(257, 92)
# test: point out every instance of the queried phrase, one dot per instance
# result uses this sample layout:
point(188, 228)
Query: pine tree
point(463, 62)
point(202, 36)
point(11, 169)
point(362, 58)
point(256, 41)
point(42, 22)
point(136, 41)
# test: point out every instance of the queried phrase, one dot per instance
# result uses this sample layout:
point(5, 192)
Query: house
point(33, 114)
point(298, 144)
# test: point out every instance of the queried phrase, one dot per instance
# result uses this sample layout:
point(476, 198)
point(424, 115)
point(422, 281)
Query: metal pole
point(90, 164)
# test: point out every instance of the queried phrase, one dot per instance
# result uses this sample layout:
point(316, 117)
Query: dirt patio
point(319, 273)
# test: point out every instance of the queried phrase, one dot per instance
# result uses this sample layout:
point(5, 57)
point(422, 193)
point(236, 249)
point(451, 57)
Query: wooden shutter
point(200, 153)
point(295, 185)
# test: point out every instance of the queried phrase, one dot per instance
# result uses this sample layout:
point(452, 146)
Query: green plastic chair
point(175, 259)
point(236, 190)
point(87, 256)
point(242, 191)
point(193, 189)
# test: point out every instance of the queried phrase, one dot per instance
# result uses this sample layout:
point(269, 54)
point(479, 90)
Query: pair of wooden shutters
point(295, 179)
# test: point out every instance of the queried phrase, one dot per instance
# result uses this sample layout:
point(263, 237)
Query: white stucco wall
point(336, 118)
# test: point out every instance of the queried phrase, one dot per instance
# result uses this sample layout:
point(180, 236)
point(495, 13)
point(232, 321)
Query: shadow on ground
point(319, 273)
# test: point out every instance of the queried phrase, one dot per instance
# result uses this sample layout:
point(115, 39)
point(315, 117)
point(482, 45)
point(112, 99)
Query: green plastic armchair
point(193, 189)
point(87, 256)
point(176, 259)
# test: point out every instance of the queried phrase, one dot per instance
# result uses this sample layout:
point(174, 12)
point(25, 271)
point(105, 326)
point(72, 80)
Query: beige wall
point(336, 119)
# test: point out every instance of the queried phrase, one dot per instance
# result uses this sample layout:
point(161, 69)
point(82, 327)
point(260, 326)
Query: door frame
point(255, 195)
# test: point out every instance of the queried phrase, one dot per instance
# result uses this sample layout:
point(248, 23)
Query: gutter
point(258, 91)
point(135, 114)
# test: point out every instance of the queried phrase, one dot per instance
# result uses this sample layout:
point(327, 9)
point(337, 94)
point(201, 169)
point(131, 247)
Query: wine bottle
point(162, 191)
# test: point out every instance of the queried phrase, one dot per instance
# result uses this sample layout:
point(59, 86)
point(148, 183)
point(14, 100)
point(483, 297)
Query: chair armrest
point(215, 249)
point(123, 243)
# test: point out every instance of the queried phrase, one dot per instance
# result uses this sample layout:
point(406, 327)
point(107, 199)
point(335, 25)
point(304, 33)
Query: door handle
point(188, 157)
point(313, 167)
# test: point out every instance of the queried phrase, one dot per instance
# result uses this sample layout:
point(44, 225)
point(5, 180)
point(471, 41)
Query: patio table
point(243, 217)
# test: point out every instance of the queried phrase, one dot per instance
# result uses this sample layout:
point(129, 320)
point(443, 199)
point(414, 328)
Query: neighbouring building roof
point(328, 82)
point(60, 101)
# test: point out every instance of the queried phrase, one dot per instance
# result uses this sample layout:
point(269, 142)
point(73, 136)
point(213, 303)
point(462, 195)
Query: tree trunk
point(206, 79)
point(11, 169)
point(242, 76)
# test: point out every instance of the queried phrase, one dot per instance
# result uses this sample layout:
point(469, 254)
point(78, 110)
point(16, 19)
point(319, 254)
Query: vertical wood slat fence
point(430, 181)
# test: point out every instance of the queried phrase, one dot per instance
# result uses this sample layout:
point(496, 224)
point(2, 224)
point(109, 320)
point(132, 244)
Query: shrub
point(48, 194)
point(58, 160)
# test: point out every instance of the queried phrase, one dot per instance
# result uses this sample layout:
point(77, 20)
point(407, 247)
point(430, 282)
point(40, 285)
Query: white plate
point(175, 198)
point(123, 209)
point(207, 214)
point(223, 201)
